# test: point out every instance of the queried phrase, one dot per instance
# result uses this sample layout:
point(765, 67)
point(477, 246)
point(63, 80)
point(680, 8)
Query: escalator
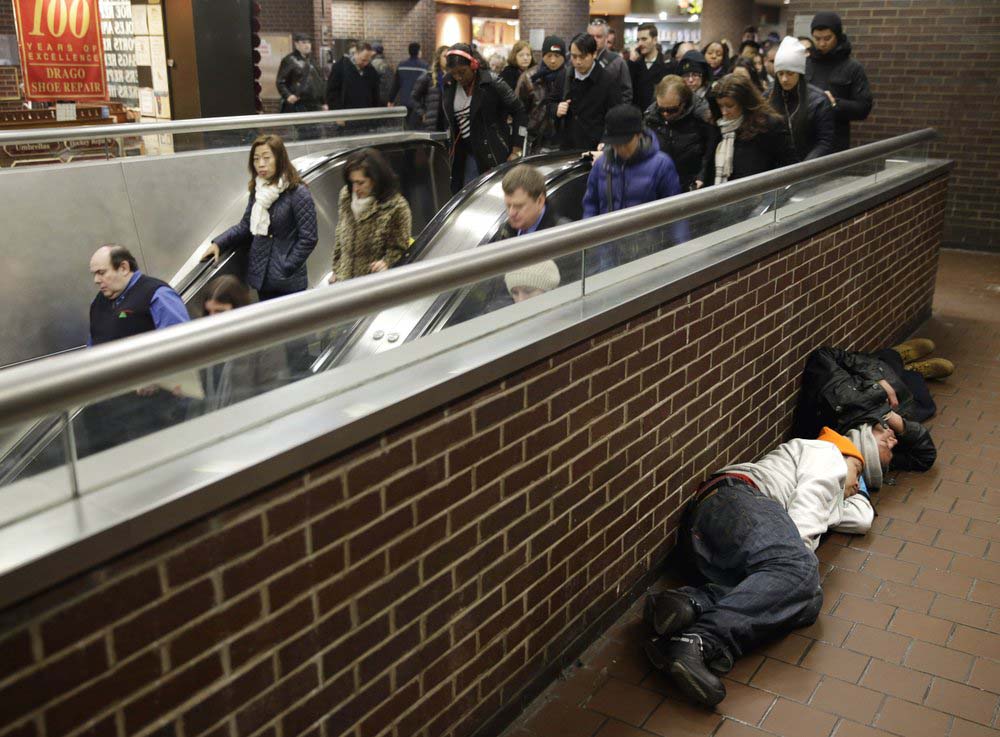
point(424, 174)
point(472, 218)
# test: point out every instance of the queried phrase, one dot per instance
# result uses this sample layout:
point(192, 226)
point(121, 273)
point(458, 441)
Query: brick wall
point(290, 16)
point(927, 63)
point(564, 19)
point(395, 23)
point(726, 19)
point(416, 583)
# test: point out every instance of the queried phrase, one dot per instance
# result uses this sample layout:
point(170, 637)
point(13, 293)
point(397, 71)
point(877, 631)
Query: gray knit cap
point(864, 440)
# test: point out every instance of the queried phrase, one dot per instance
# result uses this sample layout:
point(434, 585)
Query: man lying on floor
point(751, 531)
point(844, 390)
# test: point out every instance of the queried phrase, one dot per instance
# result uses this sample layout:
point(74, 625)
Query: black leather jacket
point(298, 76)
point(840, 389)
point(492, 102)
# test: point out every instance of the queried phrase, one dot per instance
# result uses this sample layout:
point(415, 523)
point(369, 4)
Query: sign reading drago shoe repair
point(62, 53)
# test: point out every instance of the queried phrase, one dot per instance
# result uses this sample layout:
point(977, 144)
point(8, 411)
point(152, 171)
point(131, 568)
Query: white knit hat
point(791, 56)
point(544, 276)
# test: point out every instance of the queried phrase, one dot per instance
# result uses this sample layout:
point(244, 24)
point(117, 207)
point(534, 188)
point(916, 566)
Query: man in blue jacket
point(632, 171)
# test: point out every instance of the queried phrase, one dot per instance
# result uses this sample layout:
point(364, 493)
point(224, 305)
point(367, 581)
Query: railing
point(56, 384)
point(198, 125)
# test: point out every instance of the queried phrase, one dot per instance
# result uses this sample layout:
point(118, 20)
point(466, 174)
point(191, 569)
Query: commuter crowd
point(655, 125)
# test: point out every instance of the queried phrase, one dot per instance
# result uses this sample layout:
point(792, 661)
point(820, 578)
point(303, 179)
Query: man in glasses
point(612, 64)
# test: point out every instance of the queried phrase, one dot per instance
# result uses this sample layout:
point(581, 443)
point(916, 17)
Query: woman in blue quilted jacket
point(279, 225)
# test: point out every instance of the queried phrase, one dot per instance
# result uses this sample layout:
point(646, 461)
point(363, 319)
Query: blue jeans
point(763, 580)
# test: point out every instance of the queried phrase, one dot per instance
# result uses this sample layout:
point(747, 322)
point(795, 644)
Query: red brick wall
point(395, 23)
point(9, 76)
point(418, 582)
point(927, 64)
point(564, 19)
point(726, 19)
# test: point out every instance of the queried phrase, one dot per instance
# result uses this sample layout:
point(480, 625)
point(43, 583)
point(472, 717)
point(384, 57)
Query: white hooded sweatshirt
point(807, 478)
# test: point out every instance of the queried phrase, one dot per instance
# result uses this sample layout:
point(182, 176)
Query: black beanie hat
point(554, 44)
point(829, 20)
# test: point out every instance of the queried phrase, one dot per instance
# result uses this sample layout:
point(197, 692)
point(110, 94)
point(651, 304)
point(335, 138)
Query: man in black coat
point(842, 79)
point(476, 104)
point(845, 390)
point(587, 94)
point(651, 67)
point(298, 80)
point(528, 211)
point(613, 64)
point(353, 83)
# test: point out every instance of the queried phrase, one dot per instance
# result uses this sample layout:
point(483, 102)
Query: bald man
point(129, 302)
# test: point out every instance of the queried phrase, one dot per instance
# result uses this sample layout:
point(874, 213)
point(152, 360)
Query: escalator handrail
point(461, 197)
point(197, 125)
point(329, 357)
point(72, 380)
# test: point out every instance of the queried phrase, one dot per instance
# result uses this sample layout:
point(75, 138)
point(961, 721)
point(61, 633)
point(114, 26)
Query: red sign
point(62, 53)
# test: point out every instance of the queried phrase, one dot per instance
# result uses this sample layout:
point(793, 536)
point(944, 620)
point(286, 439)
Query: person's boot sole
point(690, 687)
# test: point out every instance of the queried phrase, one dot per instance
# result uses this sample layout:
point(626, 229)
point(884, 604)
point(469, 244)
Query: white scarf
point(359, 205)
point(265, 195)
point(727, 146)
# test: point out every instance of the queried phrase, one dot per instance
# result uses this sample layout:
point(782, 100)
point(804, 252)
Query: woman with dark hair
point(279, 225)
point(717, 55)
point(245, 376)
point(427, 94)
point(744, 67)
point(477, 106)
point(373, 230)
point(754, 138)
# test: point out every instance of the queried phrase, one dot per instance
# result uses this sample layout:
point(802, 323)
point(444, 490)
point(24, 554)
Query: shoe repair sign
point(62, 53)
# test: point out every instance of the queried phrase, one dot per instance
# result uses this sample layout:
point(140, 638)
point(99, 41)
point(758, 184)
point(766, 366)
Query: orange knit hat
point(845, 446)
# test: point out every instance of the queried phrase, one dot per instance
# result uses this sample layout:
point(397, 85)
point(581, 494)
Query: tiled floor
point(909, 640)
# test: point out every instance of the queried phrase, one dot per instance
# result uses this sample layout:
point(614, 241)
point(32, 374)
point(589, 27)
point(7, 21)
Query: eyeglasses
point(669, 110)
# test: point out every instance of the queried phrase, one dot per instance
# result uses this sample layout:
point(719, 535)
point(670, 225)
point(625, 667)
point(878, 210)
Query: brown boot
point(932, 368)
point(913, 349)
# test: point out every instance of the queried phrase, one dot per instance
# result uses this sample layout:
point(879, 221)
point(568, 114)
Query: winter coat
point(349, 87)
point(382, 233)
point(645, 79)
point(840, 389)
point(811, 125)
point(427, 104)
point(614, 184)
point(845, 78)
point(687, 140)
point(407, 74)
point(385, 78)
point(590, 99)
point(277, 261)
point(534, 89)
point(807, 478)
point(616, 67)
point(492, 102)
point(243, 377)
point(770, 149)
point(492, 294)
point(510, 75)
point(298, 76)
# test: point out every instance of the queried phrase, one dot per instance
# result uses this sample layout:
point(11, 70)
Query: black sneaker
point(669, 612)
point(684, 662)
